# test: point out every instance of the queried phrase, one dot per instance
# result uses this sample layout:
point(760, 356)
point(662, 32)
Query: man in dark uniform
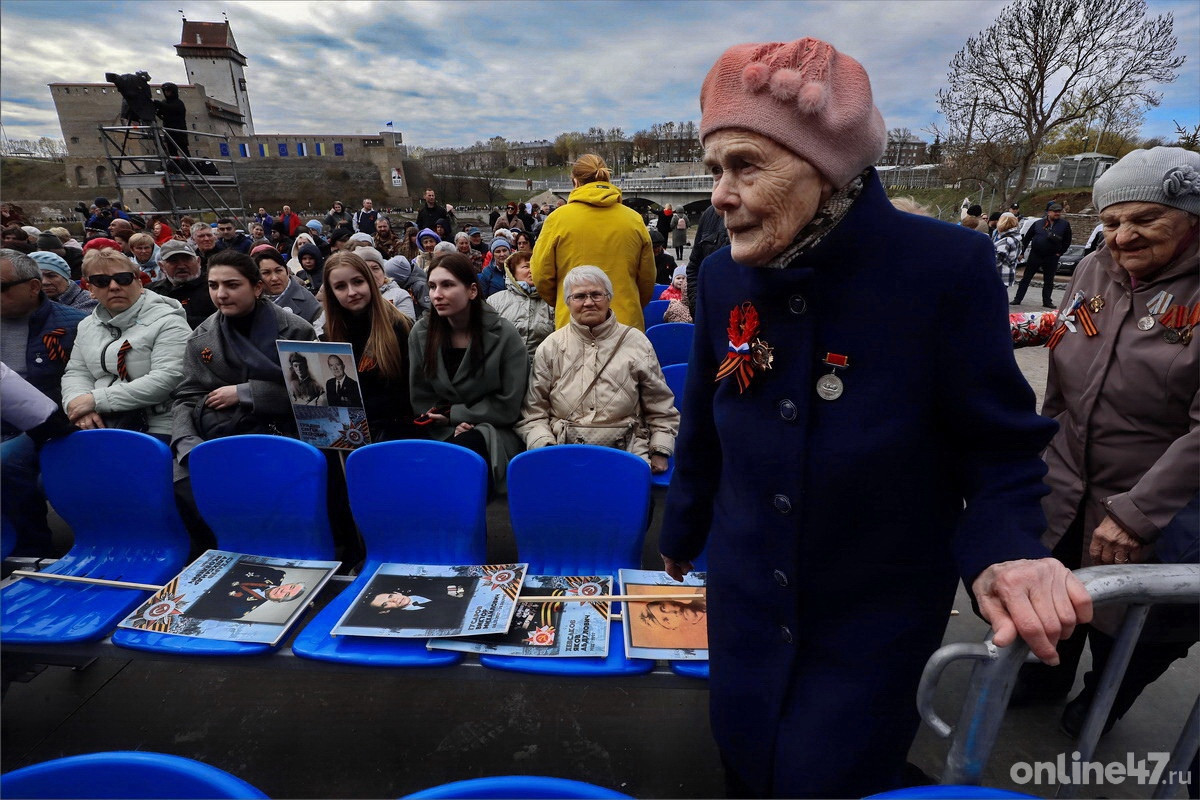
point(241, 590)
point(401, 601)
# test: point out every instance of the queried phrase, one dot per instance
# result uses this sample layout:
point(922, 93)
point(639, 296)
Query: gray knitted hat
point(1169, 176)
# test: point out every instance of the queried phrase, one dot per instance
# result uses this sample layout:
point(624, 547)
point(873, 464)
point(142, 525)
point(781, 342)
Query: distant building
point(218, 102)
point(907, 152)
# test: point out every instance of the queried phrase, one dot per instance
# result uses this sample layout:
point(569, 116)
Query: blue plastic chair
point(124, 774)
point(672, 342)
point(114, 488)
point(596, 531)
point(445, 523)
point(948, 793)
point(514, 787)
point(676, 375)
point(652, 314)
point(261, 495)
point(659, 288)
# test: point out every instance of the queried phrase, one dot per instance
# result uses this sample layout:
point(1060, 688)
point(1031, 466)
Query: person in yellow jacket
point(595, 228)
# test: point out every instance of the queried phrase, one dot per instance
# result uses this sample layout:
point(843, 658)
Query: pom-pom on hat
point(804, 95)
point(1169, 176)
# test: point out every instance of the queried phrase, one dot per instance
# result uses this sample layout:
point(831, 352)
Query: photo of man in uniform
point(341, 390)
point(247, 587)
point(401, 601)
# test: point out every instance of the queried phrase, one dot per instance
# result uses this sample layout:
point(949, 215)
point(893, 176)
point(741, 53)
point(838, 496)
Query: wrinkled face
point(765, 192)
point(463, 246)
point(522, 272)
point(142, 252)
point(182, 267)
point(390, 600)
point(350, 288)
point(336, 367)
point(1145, 237)
point(377, 272)
point(287, 591)
point(53, 284)
point(500, 253)
point(427, 243)
point(231, 292)
point(226, 231)
point(114, 297)
point(588, 303)
point(275, 276)
point(448, 296)
point(205, 239)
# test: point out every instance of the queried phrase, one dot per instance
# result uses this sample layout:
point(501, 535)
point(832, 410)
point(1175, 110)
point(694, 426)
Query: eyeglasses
point(102, 281)
point(583, 297)
point(6, 285)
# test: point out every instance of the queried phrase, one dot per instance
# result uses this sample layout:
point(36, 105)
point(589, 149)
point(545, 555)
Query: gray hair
point(445, 247)
point(24, 267)
point(199, 226)
point(462, 236)
point(586, 274)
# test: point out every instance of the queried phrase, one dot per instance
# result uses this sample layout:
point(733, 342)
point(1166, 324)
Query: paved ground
point(297, 730)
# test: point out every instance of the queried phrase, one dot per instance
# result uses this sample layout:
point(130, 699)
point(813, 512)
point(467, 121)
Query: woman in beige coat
point(597, 381)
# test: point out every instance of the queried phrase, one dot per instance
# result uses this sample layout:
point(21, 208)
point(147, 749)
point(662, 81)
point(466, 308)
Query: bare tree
point(1189, 138)
point(1044, 64)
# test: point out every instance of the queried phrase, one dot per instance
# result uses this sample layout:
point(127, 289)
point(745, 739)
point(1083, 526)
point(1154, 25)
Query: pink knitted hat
point(804, 95)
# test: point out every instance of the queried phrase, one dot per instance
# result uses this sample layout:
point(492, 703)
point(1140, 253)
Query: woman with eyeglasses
point(597, 381)
point(232, 381)
point(128, 355)
point(467, 368)
point(594, 227)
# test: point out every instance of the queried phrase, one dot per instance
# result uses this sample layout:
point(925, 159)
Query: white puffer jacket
point(157, 331)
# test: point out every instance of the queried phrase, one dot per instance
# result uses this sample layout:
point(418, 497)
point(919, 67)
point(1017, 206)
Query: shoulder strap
point(599, 372)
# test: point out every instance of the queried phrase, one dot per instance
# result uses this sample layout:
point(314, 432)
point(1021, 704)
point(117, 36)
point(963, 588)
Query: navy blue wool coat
point(836, 531)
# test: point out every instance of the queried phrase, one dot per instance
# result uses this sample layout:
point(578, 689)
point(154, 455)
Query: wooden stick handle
point(51, 576)
point(608, 598)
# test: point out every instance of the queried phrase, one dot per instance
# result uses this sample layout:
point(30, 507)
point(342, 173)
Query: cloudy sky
point(449, 73)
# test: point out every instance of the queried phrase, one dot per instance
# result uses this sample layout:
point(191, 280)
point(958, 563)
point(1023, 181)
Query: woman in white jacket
point(128, 355)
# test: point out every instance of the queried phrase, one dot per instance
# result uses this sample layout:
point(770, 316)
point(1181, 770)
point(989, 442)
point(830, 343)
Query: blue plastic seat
point(597, 528)
point(442, 522)
point(676, 375)
point(114, 488)
point(514, 787)
point(659, 288)
point(261, 495)
point(124, 774)
point(672, 342)
point(652, 314)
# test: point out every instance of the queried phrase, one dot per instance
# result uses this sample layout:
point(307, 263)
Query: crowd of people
point(841, 469)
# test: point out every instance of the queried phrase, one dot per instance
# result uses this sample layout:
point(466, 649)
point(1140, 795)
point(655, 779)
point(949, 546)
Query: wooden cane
point(51, 576)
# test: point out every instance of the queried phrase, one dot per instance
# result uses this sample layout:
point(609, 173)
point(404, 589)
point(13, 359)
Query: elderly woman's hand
point(658, 464)
point(1112, 545)
point(1040, 600)
point(223, 397)
point(88, 421)
point(81, 407)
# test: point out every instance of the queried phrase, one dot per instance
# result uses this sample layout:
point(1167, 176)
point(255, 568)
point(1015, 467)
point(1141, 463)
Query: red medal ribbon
point(1174, 317)
point(836, 360)
point(743, 326)
point(1194, 319)
point(53, 342)
point(122, 370)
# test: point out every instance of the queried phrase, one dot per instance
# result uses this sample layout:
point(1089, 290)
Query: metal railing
point(995, 673)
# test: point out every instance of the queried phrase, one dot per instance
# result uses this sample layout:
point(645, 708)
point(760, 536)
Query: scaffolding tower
point(174, 184)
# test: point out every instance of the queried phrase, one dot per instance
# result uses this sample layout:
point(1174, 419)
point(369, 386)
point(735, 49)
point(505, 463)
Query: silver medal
point(830, 387)
point(1146, 323)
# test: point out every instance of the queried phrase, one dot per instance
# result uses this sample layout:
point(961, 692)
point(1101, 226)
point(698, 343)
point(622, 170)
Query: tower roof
point(208, 39)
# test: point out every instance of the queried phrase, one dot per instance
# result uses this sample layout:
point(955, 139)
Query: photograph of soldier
point(666, 624)
point(250, 592)
point(341, 390)
point(420, 602)
point(302, 387)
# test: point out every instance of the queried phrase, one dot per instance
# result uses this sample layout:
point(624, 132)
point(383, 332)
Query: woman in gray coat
point(468, 369)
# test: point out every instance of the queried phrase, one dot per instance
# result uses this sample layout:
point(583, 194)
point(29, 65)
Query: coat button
point(797, 304)
point(787, 410)
point(785, 634)
point(782, 504)
point(780, 578)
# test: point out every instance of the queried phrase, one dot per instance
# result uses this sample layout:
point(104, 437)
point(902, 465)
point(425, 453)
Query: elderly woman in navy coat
point(843, 463)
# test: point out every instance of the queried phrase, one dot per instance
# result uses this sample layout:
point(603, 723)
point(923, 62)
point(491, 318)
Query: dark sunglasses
point(6, 285)
point(102, 281)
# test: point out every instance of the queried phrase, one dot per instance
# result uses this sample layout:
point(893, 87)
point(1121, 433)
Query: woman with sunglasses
point(232, 381)
point(128, 355)
point(467, 368)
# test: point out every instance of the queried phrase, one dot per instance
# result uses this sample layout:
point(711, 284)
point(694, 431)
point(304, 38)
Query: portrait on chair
point(674, 628)
point(322, 382)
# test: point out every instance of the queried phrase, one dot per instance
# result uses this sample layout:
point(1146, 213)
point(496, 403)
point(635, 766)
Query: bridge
point(691, 193)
